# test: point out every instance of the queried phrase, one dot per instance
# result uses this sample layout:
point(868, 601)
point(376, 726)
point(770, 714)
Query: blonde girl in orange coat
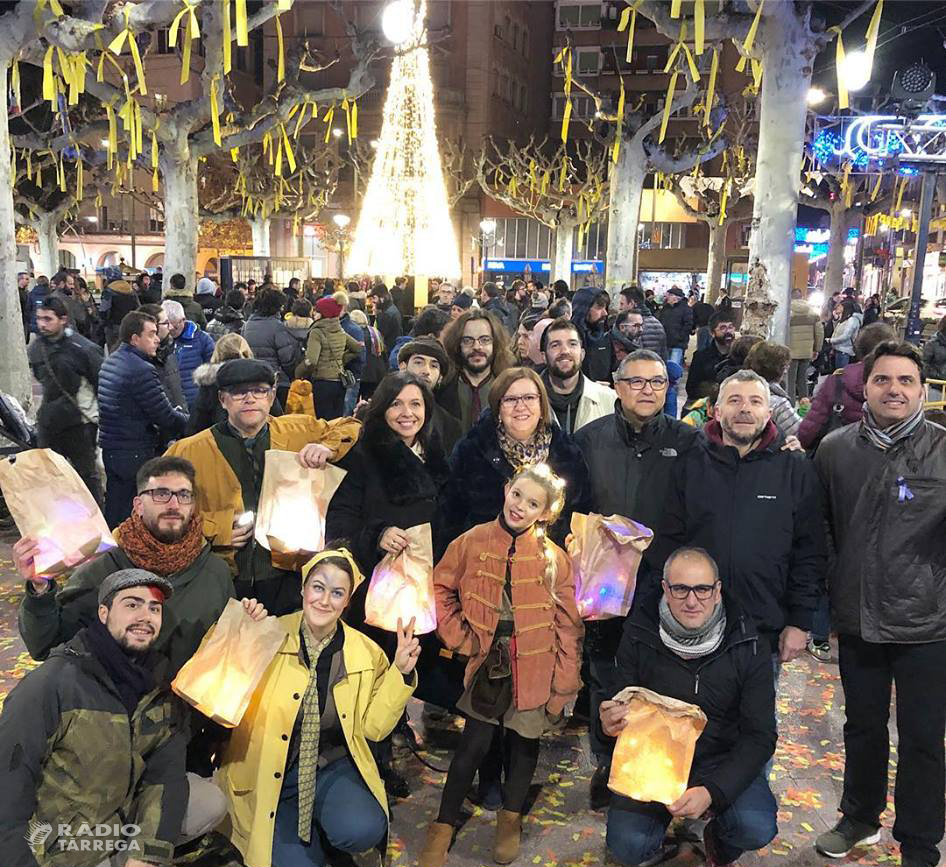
point(506, 598)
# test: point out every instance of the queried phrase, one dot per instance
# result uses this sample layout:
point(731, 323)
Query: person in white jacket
point(845, 332)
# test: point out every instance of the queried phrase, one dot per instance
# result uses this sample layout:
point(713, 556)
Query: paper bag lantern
point(402, 586)
point(606, 553)
point(654, 751)
point(290, 518)
point(300, 400)
point(220, 679)
point(49, 501)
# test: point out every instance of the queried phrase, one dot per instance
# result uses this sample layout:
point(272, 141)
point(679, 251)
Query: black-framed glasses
point(468, 342)
point(700, 591)
point(241, 391)
point(637, 383)
point(163, 495)
point(511, 400)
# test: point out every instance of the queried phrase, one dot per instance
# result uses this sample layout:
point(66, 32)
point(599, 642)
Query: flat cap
point(424, 346)
point(245, 371)
point(125, 578)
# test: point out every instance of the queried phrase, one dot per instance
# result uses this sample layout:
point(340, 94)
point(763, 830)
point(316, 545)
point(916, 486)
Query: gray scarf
point(692, 643)
point(884, 438)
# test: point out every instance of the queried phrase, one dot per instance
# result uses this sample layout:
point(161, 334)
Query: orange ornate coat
point(468, 584)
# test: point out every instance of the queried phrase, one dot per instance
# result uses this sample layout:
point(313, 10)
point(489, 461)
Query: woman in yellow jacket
point(299, 766)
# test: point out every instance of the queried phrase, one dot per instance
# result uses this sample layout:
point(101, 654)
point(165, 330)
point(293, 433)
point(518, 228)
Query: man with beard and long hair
point(755, 506)
point(702, 373)
point(94, 738)
point(163, 535)
point(478, 347)
point(575, 399)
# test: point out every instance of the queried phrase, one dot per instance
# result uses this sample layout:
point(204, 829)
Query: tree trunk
point(834, 266)
point(786, 49)
point(562, 266)
point(627, 184)
point(261, 234)
point(14, 369)
point(715, 259)
point(180, 213)
point(47, 232)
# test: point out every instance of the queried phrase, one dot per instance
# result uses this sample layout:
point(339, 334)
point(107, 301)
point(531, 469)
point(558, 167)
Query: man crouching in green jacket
point(92, 745)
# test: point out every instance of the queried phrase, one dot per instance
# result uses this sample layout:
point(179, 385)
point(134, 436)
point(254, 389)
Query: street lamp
point(816, 96)
point(855, 70)
point(487, 234)
point(397, 21)
point(341, 220)
point(487, 226)
point(340, 238)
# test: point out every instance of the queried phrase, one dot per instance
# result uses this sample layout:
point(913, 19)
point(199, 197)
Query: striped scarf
point(885, 438)
point(311, 730)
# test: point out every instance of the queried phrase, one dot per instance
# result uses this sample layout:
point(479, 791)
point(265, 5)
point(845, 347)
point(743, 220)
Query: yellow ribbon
point(675, 8)
point(79, 179)
point(112, 134)
point(243, 35)
point(616, 149)
point(328, 116)
point(61, 173)
point(699, 26)
point(15, 80)
point(50, 88)
point(723, 200)
point(190, 32)
point(750, 38)
point(564, 173)
point(756, 74)
point(116, 45)
point(876, 189)
point(347, 108)
point(839, 64)
point(872, 30)
point(154, 162)
point(566, 117)
point(227, 37)
point(711, 88)
point(290, 158)
point(903, 186)
point(628, 22)
point(214, 111)
point(281, 57)
point(669, 100)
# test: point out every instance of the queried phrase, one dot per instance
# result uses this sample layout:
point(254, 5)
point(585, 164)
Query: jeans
point(602, 638)
point(704, 337)
point(636, 830)
point(797, 379)
point(345, 811)
point(842, 359)
point(77, 445)
point(676, 354)
point(821, 624)
point(329, 397)
point(351, 398)
point(919, 672)
point(121, 467)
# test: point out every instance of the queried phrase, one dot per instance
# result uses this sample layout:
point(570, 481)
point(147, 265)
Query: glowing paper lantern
point(606, 553)
point(402, 586)
point(654, 751)
point(49, 501)
point(290, 519)
point(220, 679)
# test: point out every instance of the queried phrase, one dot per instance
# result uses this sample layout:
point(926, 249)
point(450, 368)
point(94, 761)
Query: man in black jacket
point(492, 301)
point(630, 456)
point(756, 507)
point(67, 367)
point(426, 358)
point(694, 643)
point(653, 336)
point(702, 373)
point(677, 320)
point(884, 481)
point(387, 317)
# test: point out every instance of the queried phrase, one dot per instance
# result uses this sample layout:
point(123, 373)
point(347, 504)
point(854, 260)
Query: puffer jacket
point(653, 336)
point(934, 356)
point(822, 404)
point(72, 755)
point(193, 348)
point(328, 350)
point(783, 413)
point(134, 411)
point(169, 370)
point(845, 333)
point(507, 315)
point(886, 515)
point(62, 366)
point(677, 320)
point(468, 586)
point(272, 342)
point(226, 320)
point(806, 332)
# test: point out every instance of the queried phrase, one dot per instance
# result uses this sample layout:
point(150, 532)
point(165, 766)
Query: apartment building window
point(587, 61)
point(579, 16)
point(520, 238)
point(595, 245)
point(163, 47)
point(661, 236)
point(583, 107)
point(515, 36)
point(155, 220)
point(525, 43)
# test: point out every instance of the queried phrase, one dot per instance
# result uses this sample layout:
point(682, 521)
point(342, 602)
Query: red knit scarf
point(162, 558)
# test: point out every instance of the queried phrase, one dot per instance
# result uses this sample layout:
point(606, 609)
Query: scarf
point(311, 730)
point(565, 406)
point(692, 643)
point(162, 558)
point(534, 451)
point(132, 679)
point(884, 438)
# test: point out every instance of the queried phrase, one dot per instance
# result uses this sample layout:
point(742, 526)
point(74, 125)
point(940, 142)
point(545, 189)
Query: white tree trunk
point(627, 185)
point(47, 234)
point(834, 266)
point(260, 227)
point(180, 214)
point(14, 369)
point(562, 266)
point(715, 259)
point(786, 50)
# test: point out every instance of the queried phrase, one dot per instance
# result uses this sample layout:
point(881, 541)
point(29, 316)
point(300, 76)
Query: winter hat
point(328, 308)
point(462, 300)
point(424, 346)
point(245, 371)
point(676, 290)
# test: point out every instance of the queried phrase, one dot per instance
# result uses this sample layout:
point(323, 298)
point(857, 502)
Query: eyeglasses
point(514, 400)
point(257, 391)
point(164, 323)
point(637, 383)
point(163, 495)
point(700, 591)
point(468, 342)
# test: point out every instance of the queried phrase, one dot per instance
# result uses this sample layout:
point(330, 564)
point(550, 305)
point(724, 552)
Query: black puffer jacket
point(272, 342)
point(677, 320)
point(479, 470)
point(733, 686)
point(61, 366)
point(134, 411)
point(934, 356)
point(169, 371)
point(887, 524)
point(226, 321)
point(761, 519)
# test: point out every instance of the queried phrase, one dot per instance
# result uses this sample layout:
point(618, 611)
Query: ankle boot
point(434, 853)
point(508, 832)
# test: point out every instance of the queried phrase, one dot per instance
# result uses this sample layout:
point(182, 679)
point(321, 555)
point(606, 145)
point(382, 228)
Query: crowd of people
point(493, 416)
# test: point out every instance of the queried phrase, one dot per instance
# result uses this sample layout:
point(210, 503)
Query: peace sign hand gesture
point(408, 648)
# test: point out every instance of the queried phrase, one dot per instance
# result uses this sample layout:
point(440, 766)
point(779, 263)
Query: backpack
point(836, 418)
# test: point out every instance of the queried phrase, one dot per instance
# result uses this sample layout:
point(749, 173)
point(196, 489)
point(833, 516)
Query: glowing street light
point(816, 96)
point(906, 212)
point(341, 220)
point(856, 70)
point(487, 226)
point(397, 21)
point(336, 131)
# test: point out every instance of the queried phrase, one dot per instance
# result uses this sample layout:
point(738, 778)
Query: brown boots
point(508, 832)
point(434, 853)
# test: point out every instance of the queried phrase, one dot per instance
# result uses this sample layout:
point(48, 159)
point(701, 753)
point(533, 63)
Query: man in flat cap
point(92, 745)
point(426, 358)
point(230, 458)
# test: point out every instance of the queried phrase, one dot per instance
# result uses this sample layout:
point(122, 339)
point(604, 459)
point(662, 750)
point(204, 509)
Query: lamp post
point(487, 234)
point(341, 222)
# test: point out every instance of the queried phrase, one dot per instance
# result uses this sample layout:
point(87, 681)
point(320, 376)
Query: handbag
point(836, 419)
point(345, 377)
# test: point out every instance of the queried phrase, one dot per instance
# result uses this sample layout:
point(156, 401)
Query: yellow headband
point(345, 554)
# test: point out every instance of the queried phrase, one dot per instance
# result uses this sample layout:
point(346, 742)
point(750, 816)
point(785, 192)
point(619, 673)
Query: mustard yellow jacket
point(370, 700)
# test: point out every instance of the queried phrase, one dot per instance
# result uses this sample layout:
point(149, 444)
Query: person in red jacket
point(506, 598)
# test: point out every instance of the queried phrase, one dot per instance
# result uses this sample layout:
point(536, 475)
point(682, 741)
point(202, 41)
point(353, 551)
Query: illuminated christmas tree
point(405, 225)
